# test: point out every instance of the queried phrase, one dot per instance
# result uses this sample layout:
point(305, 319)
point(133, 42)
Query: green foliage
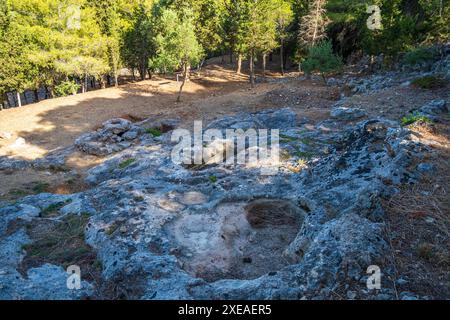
point(176, 43)
point(52, 210)
point(126, 163)
point(213, 179)
point(42, 43)
point(322, 59)
point(429, 82)
point(413, 118)
point(154, 132)
point(66, 88)
point(138, 41)
point(51, 244)
point(405, 24)
point(419, 55)
point(40, 187)
point(16, 72)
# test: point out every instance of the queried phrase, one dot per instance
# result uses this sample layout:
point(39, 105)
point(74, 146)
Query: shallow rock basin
point(238, 241)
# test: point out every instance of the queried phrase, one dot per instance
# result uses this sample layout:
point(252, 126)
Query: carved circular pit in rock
point(238, 240)
point(193, 197)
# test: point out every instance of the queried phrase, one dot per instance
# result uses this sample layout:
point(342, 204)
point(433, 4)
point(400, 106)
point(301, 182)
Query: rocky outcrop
point(347, 114)
point(114, 135)
point(434, 109)
point(170, 231)
point(270, 119)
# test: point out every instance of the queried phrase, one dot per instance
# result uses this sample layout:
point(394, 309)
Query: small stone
point(425, 168)
point(332, 82)
point(351, 295)
point(406, 84)
point(130, 135)
point(347, 114)
point(429, 220)
point(407, 296)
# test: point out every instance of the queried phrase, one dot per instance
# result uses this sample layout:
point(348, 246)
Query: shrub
point(124, 164)
point(419, 55)
point(322, 59)
point(154, 132)
point(62, 243)
point(53, 209)
point(413, 118)
point(429, 82)
point(66, 88)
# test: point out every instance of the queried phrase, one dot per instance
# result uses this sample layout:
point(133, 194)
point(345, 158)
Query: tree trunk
point(116, 80)
point(19, 101)
point(36, 95)
point(231, 56)
point(149, 74)
point(372, 63)
point(264, 57)
point(285, 58)
point(102, 82)
point(142, 73)
point(239, 63)
point(133, 72)
point(5, 101)
point(50, 91)
point(185, 76)
point(252, 68)
point(282, 57)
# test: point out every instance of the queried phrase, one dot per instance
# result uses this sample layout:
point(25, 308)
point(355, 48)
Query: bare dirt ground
point(37, 129)
point(418, 221)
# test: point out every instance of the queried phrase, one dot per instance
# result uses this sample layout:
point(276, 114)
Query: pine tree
point(177, 44)
point(108, 20)
point(236, 25)
point(138, 42)
point(284, 17)
point(312, 25)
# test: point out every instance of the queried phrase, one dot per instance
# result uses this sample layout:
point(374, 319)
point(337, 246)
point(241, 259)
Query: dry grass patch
point(60, 243)
point(418, 219)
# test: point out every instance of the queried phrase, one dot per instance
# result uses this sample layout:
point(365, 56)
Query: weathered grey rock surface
point(170, 231)
point(347, 114)
point(115, 135)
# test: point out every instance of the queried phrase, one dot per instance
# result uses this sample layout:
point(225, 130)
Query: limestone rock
point(347, 114)
point(110, 138)
point(434, 108)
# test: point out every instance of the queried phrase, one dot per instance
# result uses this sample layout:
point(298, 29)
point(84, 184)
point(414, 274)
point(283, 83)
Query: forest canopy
point(60, 45)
